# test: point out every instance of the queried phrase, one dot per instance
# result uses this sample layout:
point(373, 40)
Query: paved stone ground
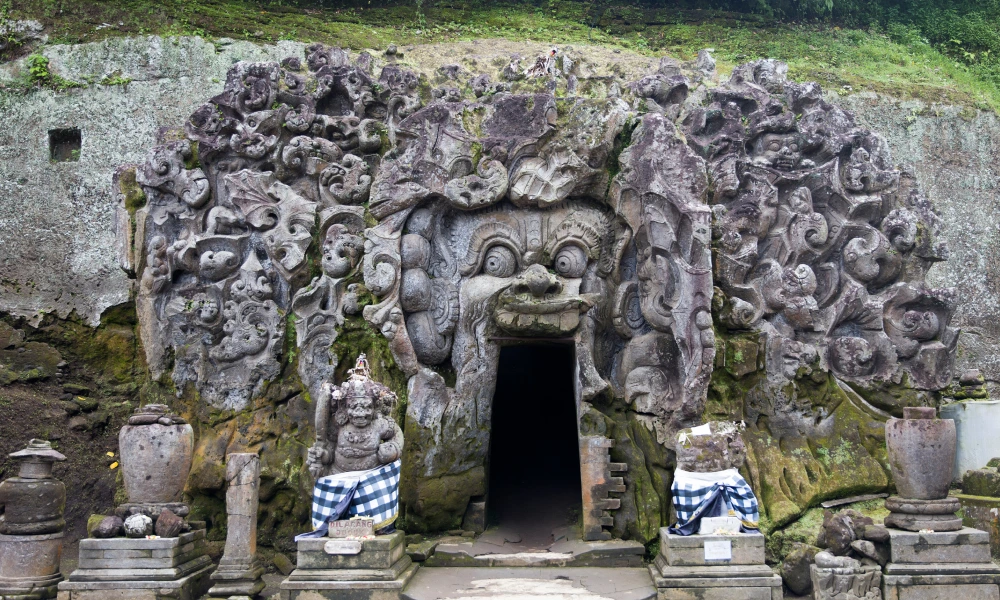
point(580, 583)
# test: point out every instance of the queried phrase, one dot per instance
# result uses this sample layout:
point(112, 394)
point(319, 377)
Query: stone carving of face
point(341, 250)
point(361, 411)
point(537, 260)
point(778, 150)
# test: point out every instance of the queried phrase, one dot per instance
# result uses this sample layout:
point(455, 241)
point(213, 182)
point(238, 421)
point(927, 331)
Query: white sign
point(342, 547)
point(705, 429)
point(718, 550)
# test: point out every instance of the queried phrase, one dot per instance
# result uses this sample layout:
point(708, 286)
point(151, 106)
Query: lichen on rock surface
point(665, 227)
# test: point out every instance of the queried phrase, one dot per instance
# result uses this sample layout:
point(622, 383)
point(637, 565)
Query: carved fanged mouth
point(551, 314)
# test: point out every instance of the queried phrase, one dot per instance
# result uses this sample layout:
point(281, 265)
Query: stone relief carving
point(817, 235)
point(286, 152)
point(637, 222)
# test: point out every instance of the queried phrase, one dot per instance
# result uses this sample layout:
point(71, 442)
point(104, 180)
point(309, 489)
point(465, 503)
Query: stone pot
point(33, 502)
point(156, 453)
point(921, 453)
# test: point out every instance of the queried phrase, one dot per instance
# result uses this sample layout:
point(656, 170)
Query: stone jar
point(156, 453)
point(921, 453)
point(33, 502)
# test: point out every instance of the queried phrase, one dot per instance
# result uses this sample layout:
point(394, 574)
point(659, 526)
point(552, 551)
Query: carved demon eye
point(571, 261)
point(500, 262)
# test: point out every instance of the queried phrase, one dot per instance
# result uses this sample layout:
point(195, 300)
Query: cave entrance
point(534, 467)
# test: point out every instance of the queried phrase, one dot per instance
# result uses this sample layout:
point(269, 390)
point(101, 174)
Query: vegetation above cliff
point(875, 50)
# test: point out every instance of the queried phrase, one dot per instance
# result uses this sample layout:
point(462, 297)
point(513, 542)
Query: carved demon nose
point(538, 281)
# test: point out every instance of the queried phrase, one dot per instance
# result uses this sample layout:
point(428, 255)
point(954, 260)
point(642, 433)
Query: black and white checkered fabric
point(689, 494)
point(376, 495)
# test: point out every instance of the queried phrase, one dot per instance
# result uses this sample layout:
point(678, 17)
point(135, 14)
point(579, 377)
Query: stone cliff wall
point(60, 255)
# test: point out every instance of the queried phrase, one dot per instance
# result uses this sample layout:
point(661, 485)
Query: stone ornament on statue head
point(354, 427)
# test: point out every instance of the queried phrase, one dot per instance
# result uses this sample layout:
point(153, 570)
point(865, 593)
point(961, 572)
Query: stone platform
point(29, 565)
point(689, 568)
point(375, 569)
point(526, 583)
point(940, 566)
point(141, 569)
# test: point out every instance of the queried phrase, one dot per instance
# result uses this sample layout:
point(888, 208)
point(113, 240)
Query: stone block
point(983, 512)
point(941, 587)
point(189, 587)
point(964, 546)
point(981, 482)
point(29, 564)
point(382, 552)
point(327, 588)
point(679, 550)
point(747, 582)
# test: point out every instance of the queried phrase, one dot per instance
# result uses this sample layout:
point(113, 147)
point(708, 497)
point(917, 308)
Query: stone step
point(524, 583)
point(565, 553)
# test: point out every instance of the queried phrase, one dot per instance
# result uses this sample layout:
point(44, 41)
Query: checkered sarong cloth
point(376, 495)
point(690, 490)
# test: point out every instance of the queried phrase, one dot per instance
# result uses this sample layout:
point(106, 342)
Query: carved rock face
point(818, 235)
point(633, 221)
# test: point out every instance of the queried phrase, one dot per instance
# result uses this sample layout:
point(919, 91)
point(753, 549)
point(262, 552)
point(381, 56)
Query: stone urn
point(33, 502)
point(921, 453)
point(156, 453)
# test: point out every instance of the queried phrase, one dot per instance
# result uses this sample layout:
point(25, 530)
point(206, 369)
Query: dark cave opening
point(534, 485)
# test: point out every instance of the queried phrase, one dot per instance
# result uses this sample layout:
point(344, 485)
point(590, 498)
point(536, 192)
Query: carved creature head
point(361, 411)
point(341, 250)
point(778, 150)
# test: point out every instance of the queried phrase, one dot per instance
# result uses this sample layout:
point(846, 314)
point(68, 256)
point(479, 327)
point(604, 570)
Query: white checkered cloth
point(376, 495)
point(690, 490)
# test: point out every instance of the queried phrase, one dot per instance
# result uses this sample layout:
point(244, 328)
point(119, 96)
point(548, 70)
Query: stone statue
point(354, 427)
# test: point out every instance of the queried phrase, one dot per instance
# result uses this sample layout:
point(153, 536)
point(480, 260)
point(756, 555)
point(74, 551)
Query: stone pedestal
point(345, 569)
point(29, 565)
point(940, 566)
point(140, 569)
point(983, 512)
point(685, 571)
point(237, 574)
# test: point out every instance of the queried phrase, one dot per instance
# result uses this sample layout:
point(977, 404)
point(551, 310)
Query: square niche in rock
point(64, 144)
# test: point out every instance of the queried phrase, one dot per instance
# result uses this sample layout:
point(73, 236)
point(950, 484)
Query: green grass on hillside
point(845, 60)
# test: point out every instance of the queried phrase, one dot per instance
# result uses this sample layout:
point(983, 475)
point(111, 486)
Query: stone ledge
point(708, 571)
point(191, 586)
point(94, 544)
point(314, 575)
point(134, 575)
point(396, 584)
point(720, 587)
point(941, 587)
point(986, 568)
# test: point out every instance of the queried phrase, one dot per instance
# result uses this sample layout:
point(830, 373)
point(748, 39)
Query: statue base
point(919, 515)
point(940, 566)
point(713, 567)
point(29, 565)
point(344, 569)
point(236, 580)
point(165, 568)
